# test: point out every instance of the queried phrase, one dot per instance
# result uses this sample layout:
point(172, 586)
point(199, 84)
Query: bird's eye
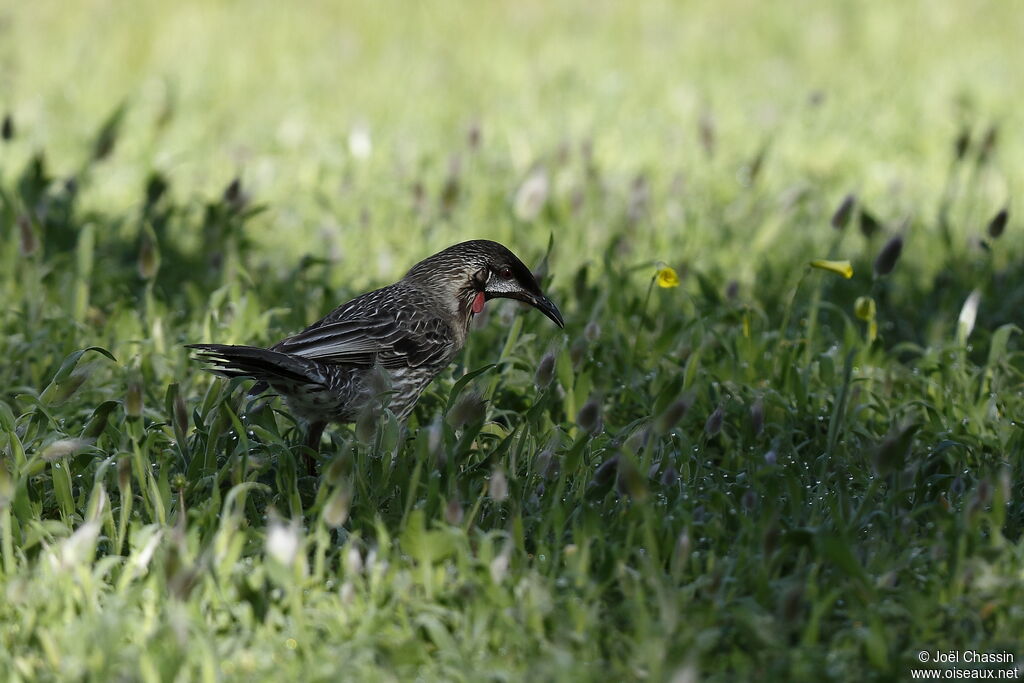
point(505, 273)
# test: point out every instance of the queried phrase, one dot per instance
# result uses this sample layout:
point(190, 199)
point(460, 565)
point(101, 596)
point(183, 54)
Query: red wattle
point(478, 302)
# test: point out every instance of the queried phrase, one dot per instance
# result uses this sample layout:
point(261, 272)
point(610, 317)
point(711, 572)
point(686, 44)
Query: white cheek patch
point(502, 286)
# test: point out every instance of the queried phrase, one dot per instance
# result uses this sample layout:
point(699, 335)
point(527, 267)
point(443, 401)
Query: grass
point(729, 479)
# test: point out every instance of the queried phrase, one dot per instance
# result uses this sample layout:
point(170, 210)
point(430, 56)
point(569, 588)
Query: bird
point(404, 334)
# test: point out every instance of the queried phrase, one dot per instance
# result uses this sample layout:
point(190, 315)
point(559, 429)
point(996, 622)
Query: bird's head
point(476, 272)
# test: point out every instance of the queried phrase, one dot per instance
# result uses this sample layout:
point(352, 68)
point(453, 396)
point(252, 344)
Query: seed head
point(578, 352)
point(706, 131)
point(532, 195)
point(29, 244)
point(180, 413)
point(124, 474)
point(77, 547)
point(589, 416)
point(283, 541)
point(639, 198)
point(681, 552)
point(968, 315)
point(156, 186)
point(366, 423)
point(894, 450)
point(793, 604)
point(149, 257)
point(378, 383)
point(546, 464)
point(982, 494)
point(545, 371)
point(470, 409)
point(133, 401)
point(499, 565)
point(869, 225)
point(360, 145)
point(338, 505)
point(844, 212)
point(452, 186)
point(354, 559)
point(637, 441)
point(962, 143)
point(473, 136)
point(63, 448)
point(435, 438)
point(732, 290)
point(606, 472)
point(713, 426)
point(757, 416)
point(997, 225)
point(671, 416)
point(498, 486)
point(988, 144)
point(339, 469)
point(956, 489)
point(234, 196)
point(1005, 485)
point(888, 256)
point(630, 482)
point(453, 512)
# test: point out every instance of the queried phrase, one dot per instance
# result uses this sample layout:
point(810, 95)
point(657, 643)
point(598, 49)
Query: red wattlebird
point(409, 331)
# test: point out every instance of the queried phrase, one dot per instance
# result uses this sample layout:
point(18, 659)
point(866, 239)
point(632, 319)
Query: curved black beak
point(544, 305)
point(538, 301)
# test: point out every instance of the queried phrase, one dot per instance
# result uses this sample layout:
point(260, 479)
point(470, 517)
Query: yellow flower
point(838, 267)
point(864, 308)
point(667, 277)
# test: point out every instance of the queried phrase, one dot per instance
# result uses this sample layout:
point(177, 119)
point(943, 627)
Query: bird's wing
point(394, 336)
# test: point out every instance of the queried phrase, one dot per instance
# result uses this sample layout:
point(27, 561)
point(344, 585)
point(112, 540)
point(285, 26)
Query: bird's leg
point(316, 430)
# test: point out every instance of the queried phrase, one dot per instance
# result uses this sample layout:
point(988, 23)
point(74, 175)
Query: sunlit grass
point(730, 463)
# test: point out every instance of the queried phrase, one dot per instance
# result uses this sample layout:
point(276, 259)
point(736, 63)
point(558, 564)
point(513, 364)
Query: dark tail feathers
point(252, 361)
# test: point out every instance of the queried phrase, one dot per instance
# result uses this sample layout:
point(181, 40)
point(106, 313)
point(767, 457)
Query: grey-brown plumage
point(390, 342)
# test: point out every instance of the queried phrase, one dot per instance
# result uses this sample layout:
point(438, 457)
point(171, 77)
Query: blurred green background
point(731, 478)
point(846, 96)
